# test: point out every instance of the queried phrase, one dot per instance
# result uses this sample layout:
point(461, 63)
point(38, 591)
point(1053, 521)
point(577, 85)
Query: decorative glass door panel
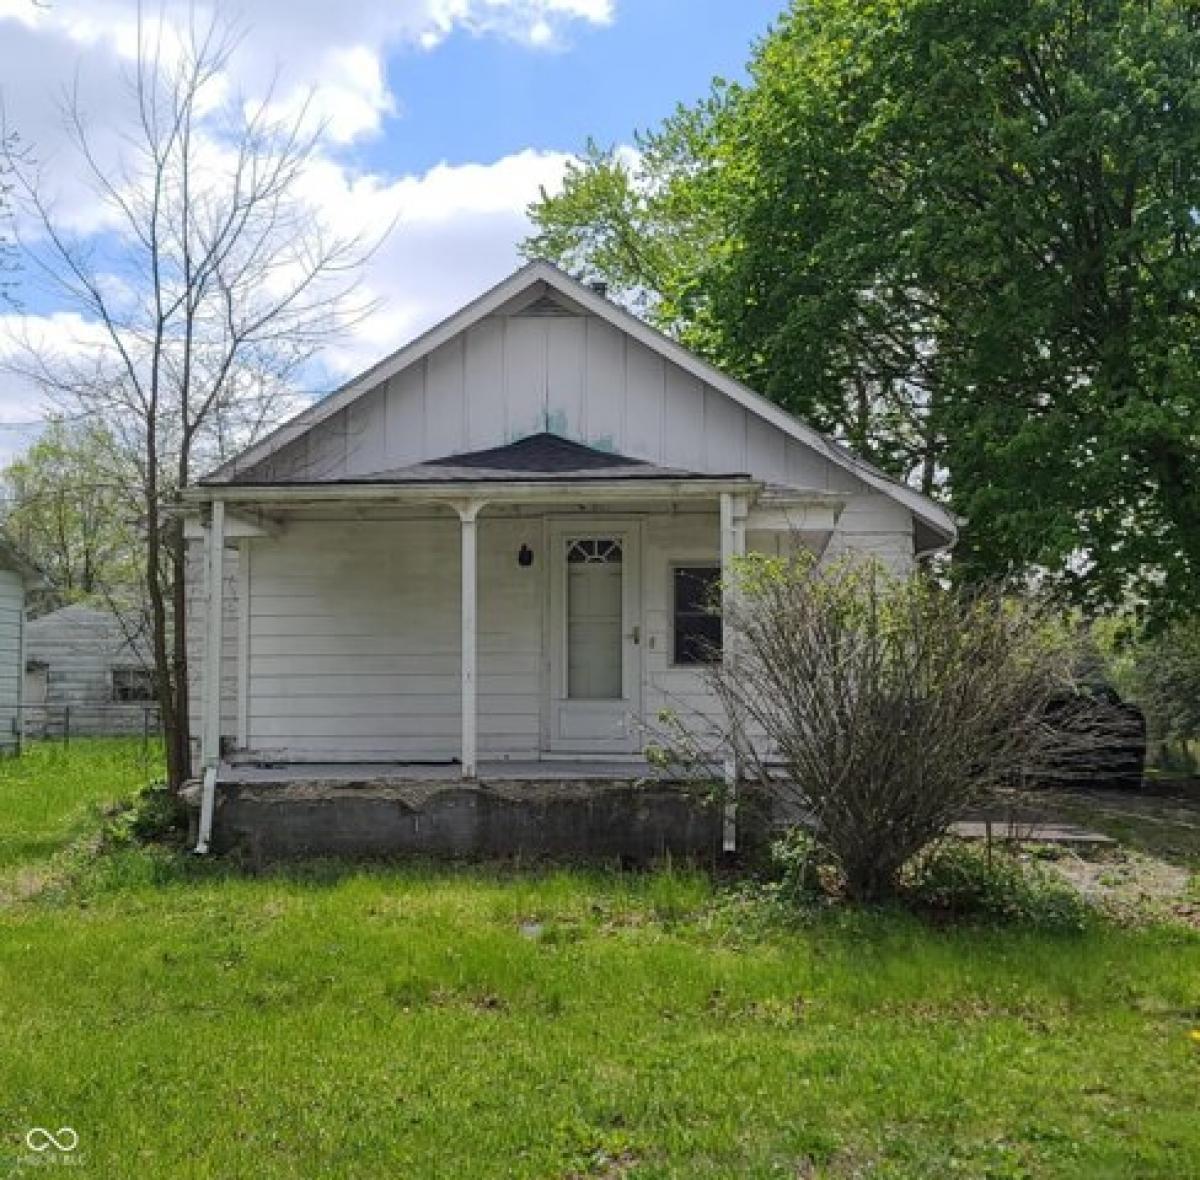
point(594, 652)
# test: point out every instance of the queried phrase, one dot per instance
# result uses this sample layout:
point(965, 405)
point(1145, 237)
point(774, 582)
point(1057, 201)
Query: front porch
point(478, 621)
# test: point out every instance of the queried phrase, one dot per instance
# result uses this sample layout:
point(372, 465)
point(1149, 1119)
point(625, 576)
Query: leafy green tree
point(1161, 672)
point(963, 237)
point(70, 505)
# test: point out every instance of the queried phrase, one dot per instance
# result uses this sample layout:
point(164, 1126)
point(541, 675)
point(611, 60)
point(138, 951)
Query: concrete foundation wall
point(583, 819)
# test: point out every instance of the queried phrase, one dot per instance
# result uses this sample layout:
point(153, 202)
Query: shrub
point(153, 814)
point(800, 864)
point(968, 880)
point(890, 704)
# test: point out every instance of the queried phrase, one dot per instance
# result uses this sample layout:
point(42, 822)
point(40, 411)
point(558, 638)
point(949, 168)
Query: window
point(595, 665)
point(697, 595)
point(132, 685)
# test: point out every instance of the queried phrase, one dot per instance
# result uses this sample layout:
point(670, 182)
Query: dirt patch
point(1132, 885)
point(1150, 873)
point(1160, 825)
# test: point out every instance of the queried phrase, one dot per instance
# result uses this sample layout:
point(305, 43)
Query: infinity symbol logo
point(39, 1139)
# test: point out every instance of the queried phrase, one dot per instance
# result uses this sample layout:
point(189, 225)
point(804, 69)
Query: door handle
point(636, 634)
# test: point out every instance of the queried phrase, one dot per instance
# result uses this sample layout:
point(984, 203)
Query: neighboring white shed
point(16, 575)
point(86, 674)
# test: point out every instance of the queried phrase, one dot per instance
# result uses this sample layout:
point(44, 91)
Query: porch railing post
point(733, 546)
point(210, 732)
point(468, 514)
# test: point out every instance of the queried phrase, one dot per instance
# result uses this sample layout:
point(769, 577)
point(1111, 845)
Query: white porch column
point(245, 548)
point(468, 513)
point(210, 731)
point(733, 546)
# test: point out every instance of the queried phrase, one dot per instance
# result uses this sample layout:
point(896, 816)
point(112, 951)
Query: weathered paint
point(12, 624)
point(77, 649)
point(344, 634)
point(509, 377)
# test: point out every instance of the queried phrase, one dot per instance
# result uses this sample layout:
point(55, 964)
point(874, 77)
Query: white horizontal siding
point(877, 526)
point(12, 610)
point(80, 647)
point(355, 641)
point(353, 630)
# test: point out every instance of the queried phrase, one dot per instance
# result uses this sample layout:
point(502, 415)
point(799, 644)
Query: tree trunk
point(177, 762)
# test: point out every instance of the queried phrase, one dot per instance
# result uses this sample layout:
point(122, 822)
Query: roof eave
point(506, 491)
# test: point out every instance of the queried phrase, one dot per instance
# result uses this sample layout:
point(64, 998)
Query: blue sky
point(477, 97)
point(444, 116)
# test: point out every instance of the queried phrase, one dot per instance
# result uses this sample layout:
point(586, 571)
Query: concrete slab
point(1040, 832)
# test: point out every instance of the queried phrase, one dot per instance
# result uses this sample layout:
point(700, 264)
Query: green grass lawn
point(48, 796)
point(187, 1020)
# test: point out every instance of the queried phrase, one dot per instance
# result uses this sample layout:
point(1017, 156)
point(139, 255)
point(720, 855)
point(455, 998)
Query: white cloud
point(456, 232)
point(456, 229)
point(23, 406)
point(456, 226)
point(339, 47)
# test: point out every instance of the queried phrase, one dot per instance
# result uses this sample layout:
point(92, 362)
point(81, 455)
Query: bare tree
point(10, 148)
point(216, 285)
point(881, 708)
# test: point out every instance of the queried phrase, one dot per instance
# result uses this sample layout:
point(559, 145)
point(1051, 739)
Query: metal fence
point(61, 723)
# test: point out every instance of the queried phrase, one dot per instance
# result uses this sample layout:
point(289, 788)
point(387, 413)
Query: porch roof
point(542, 456)
point(534, 467)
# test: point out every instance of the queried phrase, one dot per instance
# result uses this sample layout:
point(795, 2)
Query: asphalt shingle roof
point(542, 456)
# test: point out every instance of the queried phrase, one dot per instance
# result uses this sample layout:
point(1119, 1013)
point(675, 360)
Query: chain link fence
point(62, 723)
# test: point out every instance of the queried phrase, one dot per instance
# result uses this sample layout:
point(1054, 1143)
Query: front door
point(595, 638)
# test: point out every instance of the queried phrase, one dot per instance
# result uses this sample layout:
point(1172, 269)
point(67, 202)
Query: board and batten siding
point(577, 376)
point(12, 657)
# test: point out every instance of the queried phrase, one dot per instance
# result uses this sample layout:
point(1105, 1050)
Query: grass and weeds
point(53, 793)
point(330, 1019)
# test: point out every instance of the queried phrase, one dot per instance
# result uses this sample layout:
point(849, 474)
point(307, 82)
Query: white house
point(16, 577)
point(490, 551)
point(87, 672)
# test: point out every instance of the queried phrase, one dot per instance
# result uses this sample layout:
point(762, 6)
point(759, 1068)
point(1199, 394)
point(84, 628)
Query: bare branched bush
point(884, 707)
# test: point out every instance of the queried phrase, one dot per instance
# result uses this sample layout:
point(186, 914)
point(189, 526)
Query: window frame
point(674, 566)
point(128, 670)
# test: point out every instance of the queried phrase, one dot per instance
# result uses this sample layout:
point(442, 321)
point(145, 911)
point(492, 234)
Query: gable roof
point(537, 457)
point(11, 558)
point(926, 511)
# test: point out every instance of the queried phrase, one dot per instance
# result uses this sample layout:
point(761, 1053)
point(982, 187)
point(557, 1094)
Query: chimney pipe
point(600, 287)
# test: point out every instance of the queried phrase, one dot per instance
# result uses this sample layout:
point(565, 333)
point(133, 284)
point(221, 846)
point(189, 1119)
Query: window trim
point(674, 564)
point(119, 670)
